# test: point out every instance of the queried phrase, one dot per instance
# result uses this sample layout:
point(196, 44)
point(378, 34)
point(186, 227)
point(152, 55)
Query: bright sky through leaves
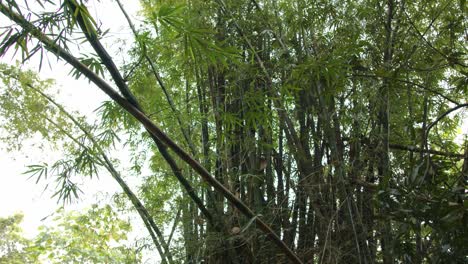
point(79, 95)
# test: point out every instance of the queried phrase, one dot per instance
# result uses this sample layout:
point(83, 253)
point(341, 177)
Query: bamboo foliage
point(323, 131)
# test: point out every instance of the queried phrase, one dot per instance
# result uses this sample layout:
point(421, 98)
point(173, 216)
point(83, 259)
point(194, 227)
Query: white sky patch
point(17, 193)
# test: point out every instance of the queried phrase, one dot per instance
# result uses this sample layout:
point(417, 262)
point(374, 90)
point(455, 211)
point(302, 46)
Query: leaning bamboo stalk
point(154, 130)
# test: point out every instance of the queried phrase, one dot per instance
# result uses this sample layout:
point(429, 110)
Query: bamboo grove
point(322, 131)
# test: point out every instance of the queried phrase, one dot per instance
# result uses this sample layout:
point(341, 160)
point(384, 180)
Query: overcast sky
point(17, 193)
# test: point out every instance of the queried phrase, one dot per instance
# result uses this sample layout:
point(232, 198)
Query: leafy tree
point(95, 236)
point(14, 248)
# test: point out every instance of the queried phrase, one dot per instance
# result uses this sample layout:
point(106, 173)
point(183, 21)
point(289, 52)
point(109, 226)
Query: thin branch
point(416, 149)
point(138, 205)
point(430, 151)
point(128, 96)
point(407, 82)
point(430, 45)
point(428, 129)
point(160, 82)
point(132, 69)
point(174, 225)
